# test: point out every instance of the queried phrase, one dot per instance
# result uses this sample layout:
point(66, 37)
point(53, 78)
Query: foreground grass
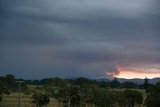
point(12, 100)
point(26, 101)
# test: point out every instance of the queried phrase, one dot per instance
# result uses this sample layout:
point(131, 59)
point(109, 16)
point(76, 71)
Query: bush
point(153, 96)
point(40, 99)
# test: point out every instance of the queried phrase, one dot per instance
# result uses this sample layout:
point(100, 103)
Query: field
point(26, 101)
point(12, 101)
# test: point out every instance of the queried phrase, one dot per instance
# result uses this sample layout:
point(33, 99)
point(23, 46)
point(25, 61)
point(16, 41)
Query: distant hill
point(135, 80)
point(154, 80)
point(121, 80)
point(103, 79)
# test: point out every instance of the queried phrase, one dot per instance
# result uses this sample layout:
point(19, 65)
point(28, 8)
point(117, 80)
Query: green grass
point(26, 101)
point(12, 101)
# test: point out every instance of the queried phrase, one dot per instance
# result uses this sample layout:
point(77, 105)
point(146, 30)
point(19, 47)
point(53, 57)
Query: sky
point(73, 38)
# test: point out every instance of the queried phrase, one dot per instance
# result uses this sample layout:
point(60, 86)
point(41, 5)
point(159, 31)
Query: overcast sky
point(72, 38)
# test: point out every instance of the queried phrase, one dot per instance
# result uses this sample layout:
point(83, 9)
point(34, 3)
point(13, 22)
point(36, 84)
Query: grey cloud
point(77, 37)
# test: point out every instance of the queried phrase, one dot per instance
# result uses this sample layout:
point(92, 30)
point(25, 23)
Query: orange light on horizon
point(127, 73)
point(133, 74)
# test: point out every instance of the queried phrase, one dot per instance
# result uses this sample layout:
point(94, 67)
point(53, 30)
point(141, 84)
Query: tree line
point(78, 81)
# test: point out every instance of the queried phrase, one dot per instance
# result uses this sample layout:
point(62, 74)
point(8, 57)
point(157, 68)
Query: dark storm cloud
point(77, 37)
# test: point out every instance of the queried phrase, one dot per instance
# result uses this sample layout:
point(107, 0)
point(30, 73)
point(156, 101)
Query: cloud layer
point(41, 38)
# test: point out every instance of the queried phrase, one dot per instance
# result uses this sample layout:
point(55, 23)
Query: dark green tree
point(153, 96)
point(132, 97)
point(3, 90)
point(115, 83)
point(146, 83)
point(74, 95)
point(129, 85)
point(158, 84)
point(87, 94)
point(58, 88)
point(99, 96)
point(110, 99)
point(40, 99)
point(139, 98)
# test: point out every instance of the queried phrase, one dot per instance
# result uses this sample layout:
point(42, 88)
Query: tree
point(138, 98)
point(9, 81)
point(87, 93)
point(145, 83)
point(110, 99)
point(120, 98)
point(153, 96)
point(115, 83)
point(40, 99)
point(158, 84)
point(3, 90)
point(106, 97)
point(132, 97)
point(74, 95)
point(58, 89)
point(129, 85)
point(99, 95)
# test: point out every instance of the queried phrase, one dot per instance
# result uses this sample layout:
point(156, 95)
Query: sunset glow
point(123, 72)
point(132, 74)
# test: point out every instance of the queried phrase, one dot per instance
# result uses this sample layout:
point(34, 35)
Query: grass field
point(12, 101)
point(26, 101)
